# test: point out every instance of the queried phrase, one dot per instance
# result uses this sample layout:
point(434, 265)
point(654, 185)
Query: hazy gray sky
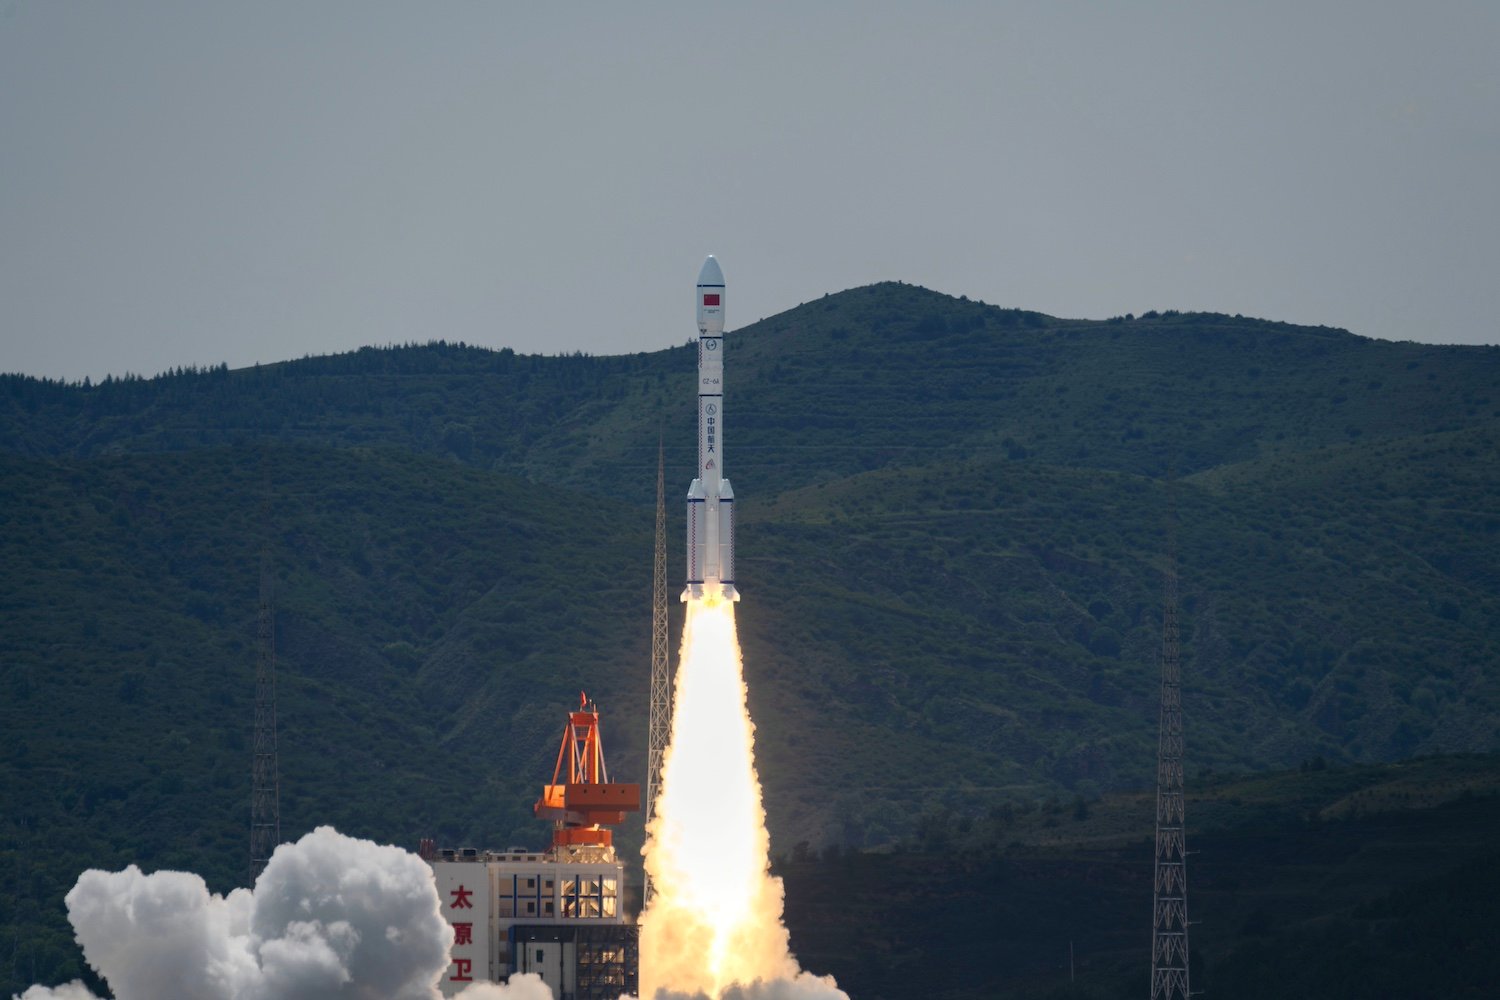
point(190, 183)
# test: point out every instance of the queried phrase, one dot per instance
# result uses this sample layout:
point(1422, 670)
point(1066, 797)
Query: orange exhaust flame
point(715, 920)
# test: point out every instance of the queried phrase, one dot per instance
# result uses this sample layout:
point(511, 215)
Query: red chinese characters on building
point(465, 908)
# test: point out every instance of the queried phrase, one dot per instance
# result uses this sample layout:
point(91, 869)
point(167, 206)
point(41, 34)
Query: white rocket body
point(710, 500)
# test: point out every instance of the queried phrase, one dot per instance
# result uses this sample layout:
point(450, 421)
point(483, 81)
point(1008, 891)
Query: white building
point(517, 911)
point(560, 912)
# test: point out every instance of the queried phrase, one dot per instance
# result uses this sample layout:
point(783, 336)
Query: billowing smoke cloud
point(72, 991)
point(801, 986)
point(330, 917)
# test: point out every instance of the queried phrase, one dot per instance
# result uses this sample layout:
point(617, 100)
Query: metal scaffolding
point(265, 795)
point(1169, 941)
point(661, 682)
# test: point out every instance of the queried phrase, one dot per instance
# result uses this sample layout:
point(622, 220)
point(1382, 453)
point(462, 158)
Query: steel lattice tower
point(661, 682)
point(1169, 933)
point(265, 795)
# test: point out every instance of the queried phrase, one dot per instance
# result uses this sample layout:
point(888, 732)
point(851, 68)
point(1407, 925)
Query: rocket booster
point(710, 501)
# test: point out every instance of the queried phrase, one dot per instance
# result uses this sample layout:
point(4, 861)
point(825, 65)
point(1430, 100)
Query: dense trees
point(951, 542)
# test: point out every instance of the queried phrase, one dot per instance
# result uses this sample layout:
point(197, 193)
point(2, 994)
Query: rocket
point(710, 501)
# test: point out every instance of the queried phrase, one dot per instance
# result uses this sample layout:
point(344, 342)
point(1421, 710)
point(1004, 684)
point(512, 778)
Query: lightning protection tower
point(265, 794)
point(1169, 933)
point(661, 683)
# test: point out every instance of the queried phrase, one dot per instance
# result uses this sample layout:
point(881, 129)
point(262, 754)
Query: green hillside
point(951, 544)
point(1368, 882)
point(889, 374)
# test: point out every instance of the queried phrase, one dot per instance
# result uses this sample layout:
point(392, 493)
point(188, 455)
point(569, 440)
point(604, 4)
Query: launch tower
point(1169, 941)
point(660, 724)
point(265, 783)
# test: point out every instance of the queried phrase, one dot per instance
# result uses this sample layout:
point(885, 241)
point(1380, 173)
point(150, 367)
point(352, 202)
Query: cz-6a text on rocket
point(710, 501)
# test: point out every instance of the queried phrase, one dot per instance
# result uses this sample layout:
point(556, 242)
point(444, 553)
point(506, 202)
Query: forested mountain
point(870, 378)
point(952, 532)
point(1319, 883)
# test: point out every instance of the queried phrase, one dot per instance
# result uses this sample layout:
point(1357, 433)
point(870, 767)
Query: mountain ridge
point(951, 541)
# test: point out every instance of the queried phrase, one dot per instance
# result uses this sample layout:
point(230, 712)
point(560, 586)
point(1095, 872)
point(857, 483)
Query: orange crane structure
point(581, 800)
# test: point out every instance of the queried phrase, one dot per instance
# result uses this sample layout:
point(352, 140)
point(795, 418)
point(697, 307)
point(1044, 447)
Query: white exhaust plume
point(330, 917)
point(714, 927)
point(71, 991)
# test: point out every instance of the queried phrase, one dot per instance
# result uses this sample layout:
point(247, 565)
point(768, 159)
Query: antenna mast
point(1169, 940)
point(265, 795)
point(661, 683)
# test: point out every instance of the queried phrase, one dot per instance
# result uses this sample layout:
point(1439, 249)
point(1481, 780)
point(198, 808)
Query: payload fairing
point(710, 500)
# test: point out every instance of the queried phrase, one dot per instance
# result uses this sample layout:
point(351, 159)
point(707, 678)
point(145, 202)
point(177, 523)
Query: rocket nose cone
point(710, 275)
